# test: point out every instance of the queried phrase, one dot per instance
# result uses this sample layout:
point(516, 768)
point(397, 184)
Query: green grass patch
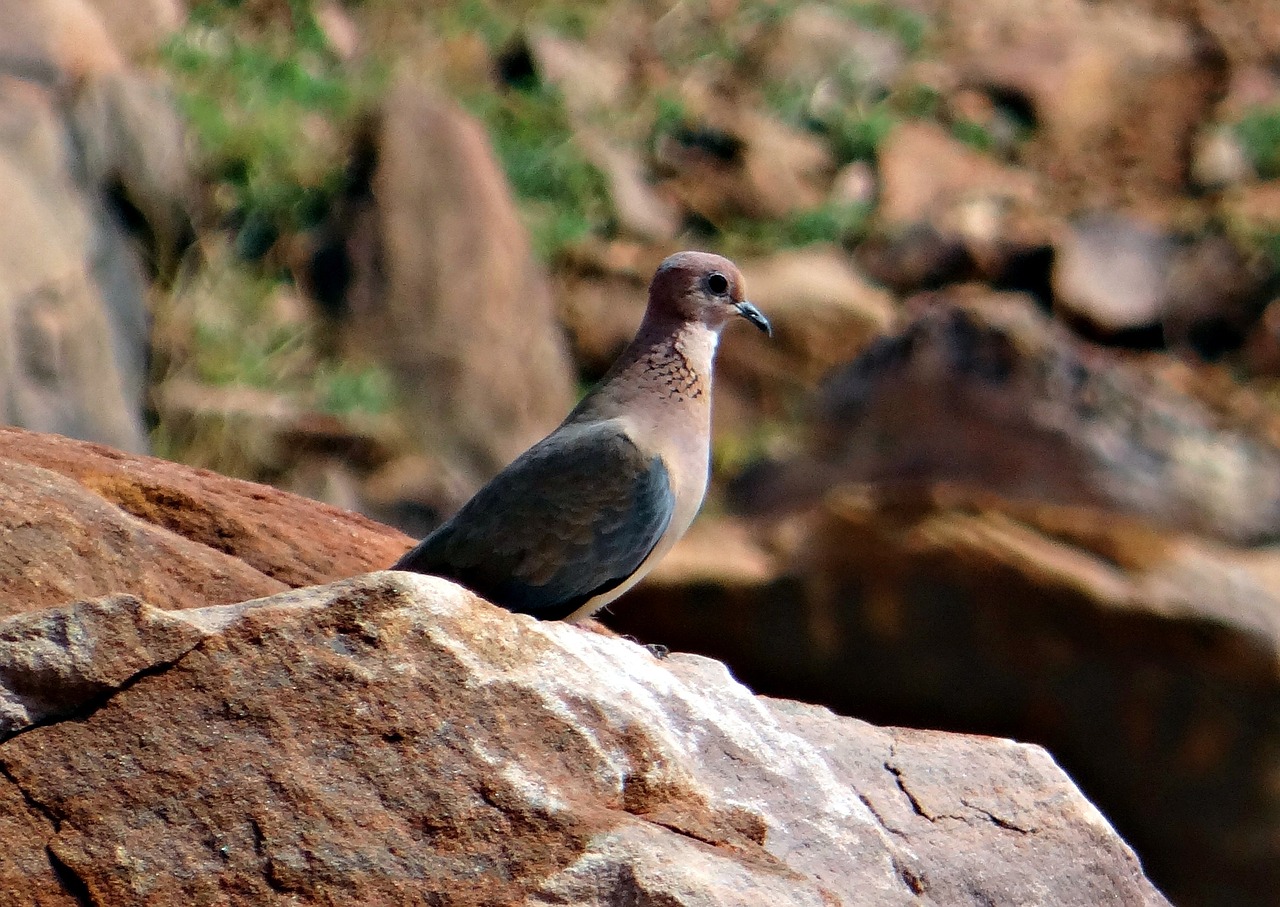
point(1259, 134)
point(975, 135)
point(829, 223)
point(343, 389)
point(911, 29)
point(272, 111)
point(856, 132)
point(493, 23)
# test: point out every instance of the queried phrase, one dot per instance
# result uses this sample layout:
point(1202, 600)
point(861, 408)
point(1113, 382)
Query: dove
point(579, 518)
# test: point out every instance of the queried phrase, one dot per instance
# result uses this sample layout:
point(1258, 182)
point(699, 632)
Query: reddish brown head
point(701, 287)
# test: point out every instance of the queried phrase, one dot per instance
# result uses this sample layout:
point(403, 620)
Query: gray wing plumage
point(573, 517)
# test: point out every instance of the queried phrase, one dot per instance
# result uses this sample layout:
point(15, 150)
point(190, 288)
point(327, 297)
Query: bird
point(581, 516)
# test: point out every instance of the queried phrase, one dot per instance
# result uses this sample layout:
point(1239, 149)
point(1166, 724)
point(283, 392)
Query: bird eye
point(717, 283)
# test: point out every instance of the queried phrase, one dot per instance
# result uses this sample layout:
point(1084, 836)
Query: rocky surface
point(82, 520)
point(988, 531)
point(391, 739)
point(81, 135)
point(1145, 661)
point(1016, 406)
point(1044, 538)
point(1117, 90)
point(981, 213)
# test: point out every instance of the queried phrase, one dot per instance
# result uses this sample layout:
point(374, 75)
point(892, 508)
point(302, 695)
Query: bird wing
point(573, 517)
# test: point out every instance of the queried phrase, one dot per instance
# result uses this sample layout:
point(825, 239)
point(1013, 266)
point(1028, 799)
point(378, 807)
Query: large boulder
point(68, 362)
point(81, 138)
point(392, 739)
point(1147, 662)
point(451, 300)
point(82, 521)
point(991, 394)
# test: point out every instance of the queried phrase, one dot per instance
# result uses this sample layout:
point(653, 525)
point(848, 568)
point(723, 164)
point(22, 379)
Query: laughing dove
point(585, 513)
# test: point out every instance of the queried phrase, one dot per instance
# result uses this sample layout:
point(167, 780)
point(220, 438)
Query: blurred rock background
point(1011, 464)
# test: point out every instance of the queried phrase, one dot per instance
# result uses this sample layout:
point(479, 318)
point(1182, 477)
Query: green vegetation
point(344, 389)
point(226, 325)
point(856, 132)
point(1259, 133)
point(563, 197)
point(832, 222)
point(908, 27)
point(272, 110)
point(975, 135)
point(829, 223)
point(490, 22)
point(852, 115)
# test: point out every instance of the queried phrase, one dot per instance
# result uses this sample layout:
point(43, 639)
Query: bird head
point(704, 288)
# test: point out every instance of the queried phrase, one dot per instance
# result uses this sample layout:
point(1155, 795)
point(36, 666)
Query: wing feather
point(573, 517)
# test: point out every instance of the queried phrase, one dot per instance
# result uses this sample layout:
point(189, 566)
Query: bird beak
point(755, 316)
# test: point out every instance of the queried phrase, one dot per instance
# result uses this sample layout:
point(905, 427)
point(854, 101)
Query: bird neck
point(670, 359)
point(667, 366)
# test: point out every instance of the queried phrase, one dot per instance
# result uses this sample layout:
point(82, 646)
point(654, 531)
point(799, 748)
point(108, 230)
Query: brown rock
point(390, 739)
point(140, 27)
point(1215, 292)
point(1246, 32)
point(73, 356)
point(341, 33)
point(1117, 93)
point(1147, 661)
point(452, 302)
point(56, 41)
point(948, 212)
point(83, 521)
point(59, 661)
point(68, 543)
point(25, 876)
point(588, 80)
point(920, 257)
point(783, 170)
point(1262, 347)
point(992, 396)
point(730, 160)
point(1111, 272)
point(928, 176)
point(1251, 86)
point(132, 142)
point(76, 126)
